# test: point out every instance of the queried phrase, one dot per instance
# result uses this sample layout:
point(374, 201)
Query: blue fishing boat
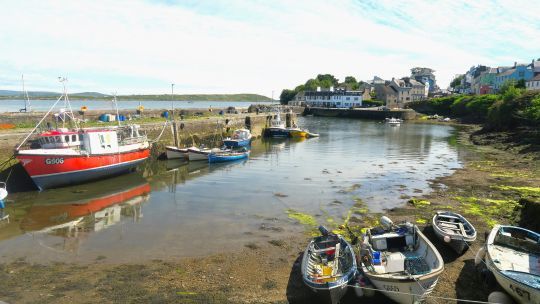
point(226, 156)
point(240, 138)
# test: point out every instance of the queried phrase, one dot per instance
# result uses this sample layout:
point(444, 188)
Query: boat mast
point(116, 107)
point(67, 104)
point(27, 101)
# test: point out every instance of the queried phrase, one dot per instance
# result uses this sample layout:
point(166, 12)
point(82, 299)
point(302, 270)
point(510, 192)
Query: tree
point(351, 82)
point(506, 86)
point(312, 84)
point(520, 84)
point(456, 83)
point(328, 79)
point(286, 96)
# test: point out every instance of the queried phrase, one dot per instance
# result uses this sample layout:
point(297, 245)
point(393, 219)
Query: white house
point(339, 98)
point(533, 83)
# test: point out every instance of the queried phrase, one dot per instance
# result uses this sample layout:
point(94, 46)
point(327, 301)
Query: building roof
point(536, 78)
point(507, 72)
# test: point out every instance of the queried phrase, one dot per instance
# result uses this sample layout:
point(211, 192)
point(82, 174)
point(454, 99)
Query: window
point(73, 137)
point(57, 139)
point(356, 98)
point(66, 138)
point(521, 74)
point(348, 98)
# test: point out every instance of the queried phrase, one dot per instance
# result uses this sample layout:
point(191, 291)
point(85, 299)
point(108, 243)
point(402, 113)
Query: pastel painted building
point(519, 71)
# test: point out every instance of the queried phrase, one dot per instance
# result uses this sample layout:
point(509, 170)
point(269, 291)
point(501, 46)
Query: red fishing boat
point(65, 156)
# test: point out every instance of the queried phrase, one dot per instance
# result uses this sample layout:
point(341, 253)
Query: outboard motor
point(386, 223)
point(324, 231)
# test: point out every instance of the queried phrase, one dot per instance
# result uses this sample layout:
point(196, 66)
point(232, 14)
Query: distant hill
point(7, 94)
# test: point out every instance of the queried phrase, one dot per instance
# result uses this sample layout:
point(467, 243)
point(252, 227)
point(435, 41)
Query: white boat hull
point(396, 290)
point(521, 293)
point(175, 153)
point(194, 156)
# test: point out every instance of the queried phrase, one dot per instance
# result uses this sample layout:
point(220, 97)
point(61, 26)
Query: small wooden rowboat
point(226, 156)
point(400, 261)
point(512, 254)
point(453, 229)
point(176, 153)
point(328, 265)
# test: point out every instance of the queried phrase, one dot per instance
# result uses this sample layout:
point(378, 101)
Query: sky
point(240, 46)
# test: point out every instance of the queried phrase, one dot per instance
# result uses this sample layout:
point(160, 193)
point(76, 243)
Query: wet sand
point(268, 272)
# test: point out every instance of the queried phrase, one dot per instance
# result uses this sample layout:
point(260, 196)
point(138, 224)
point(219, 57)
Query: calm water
point(44, 105)
point(173, 209)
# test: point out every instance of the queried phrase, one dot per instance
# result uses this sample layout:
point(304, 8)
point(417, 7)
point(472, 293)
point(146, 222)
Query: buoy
point(480, 256)
point(447, 239)
point(499, 297)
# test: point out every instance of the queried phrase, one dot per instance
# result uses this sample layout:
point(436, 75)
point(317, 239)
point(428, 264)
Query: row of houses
point(482, 79)
point(395, 93)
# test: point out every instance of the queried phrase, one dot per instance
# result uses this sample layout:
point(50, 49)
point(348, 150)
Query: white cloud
point(253, 46)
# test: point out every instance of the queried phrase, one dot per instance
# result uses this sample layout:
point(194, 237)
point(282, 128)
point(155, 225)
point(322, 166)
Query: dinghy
point(453, 229)
point(400, 261)
point(176, 153)
point(225, 156)
point(328, 265)
point(195, 153)
point(512, 254)
point(394, 121)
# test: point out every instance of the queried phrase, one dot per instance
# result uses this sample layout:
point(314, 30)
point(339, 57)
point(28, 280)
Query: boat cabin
point(241, 134)
point(61, 138)
point(93, 141)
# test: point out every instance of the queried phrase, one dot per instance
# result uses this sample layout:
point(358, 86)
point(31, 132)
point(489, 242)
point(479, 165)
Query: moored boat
point(400, 261)
point(176, 153)
point(240, 138)
point(226, 156)
point(297, 132)
point(454, 230)
point(63, 156)
point(394, 121)
point(512, 254)
point(277, 128)
point(195, 153)
point(328, 265)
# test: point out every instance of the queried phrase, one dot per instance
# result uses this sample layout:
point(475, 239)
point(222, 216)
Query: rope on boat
point(160, 134)
point(426, 296)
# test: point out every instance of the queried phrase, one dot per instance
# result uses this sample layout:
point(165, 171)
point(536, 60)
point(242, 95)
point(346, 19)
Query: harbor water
point(177, 209)
point(9, 105)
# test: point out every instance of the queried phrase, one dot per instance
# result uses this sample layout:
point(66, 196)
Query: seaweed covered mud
point(490, 186)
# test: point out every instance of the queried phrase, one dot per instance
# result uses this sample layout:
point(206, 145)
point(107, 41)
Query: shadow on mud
point(17, 179)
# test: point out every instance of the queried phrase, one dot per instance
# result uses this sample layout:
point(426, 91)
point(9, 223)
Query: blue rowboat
point(220, 157)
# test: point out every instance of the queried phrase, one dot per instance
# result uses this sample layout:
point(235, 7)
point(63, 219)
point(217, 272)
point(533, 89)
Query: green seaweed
point(419, 203)
point(302, 218)
point(523, 191)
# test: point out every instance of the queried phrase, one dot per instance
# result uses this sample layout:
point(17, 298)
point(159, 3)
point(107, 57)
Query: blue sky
point(253, 46)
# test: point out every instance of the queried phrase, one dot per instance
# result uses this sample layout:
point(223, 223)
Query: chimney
point(515, 64)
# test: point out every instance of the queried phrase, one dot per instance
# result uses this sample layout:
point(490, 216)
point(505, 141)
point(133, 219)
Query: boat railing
point(133, 140)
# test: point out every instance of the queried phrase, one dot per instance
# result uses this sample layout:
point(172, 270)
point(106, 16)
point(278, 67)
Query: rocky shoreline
point(491, 188)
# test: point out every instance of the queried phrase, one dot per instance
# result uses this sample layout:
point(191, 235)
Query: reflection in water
point(198, 208)
point(74, 221)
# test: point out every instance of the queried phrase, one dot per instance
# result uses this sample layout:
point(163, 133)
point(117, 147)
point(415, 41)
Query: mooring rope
point(160, 134)
point(417, 295)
